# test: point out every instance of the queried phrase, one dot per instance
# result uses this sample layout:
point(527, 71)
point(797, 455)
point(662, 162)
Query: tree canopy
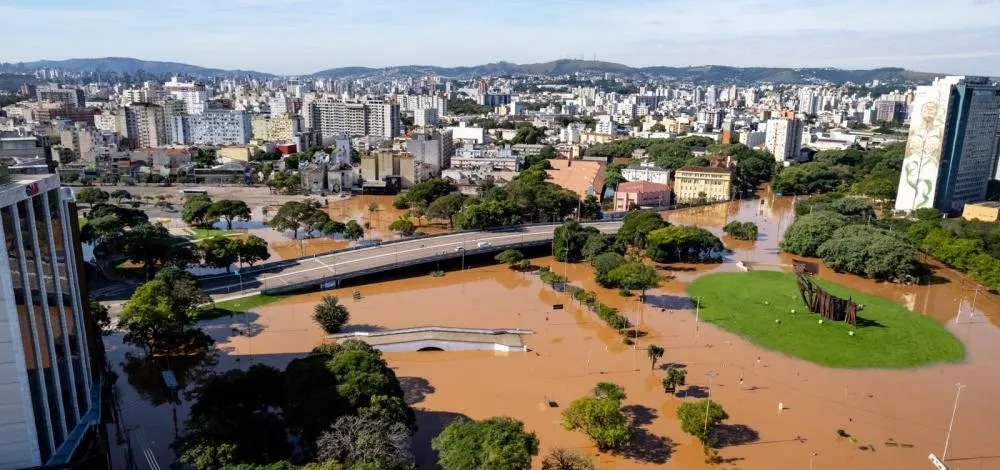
point(496, 443)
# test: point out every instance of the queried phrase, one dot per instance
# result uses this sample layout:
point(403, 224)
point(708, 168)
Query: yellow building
point(692, 183)
point(986, 211)
point(278, 128)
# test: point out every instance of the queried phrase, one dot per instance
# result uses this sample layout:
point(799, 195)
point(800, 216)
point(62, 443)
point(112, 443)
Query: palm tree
point(331, 315)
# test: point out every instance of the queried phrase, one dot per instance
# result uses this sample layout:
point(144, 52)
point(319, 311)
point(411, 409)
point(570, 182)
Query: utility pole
point(711, 375)
point(954, 410)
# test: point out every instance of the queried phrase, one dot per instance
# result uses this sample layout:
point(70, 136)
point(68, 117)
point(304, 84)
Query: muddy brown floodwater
point(355, 208)
point(897, 417)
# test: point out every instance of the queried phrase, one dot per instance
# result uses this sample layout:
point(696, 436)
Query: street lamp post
point(811, 458)
point(711, 375)
point(954, 410)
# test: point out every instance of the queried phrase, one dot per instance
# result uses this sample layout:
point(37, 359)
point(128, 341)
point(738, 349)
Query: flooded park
point(894, 418)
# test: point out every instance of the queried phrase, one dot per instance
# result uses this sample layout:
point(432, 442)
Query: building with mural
point(953, 145)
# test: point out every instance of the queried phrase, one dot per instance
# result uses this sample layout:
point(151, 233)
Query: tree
point(683, 243)
point(928, 213)
point(609, 391)
point(560, 458)
point(597, 244)
point(353, 231)
point(150, 315)
point(658, 127)
point(675, 378)
point(701, 418)
point(120, 194)
point(91, 196)
point(509, 257)
point(637, 225)
point(252, 250)
point(481, 215)
point(601, 420)
point(366, 440)
point(331, 315)
point(331, 227)
point(427, 192)
point(591, 208)
point(101, 317)
point(808, 232)
point(603, 264)
point(229, 210)
point(634, 275)
point(655, 353)
point(613, 175)
point(219, 252)
point(403, 227)
point(197, 211)
point(494, 443)
point(569, 239)
point(741, 230)
point(292, 214)
point(445, 207)
point(70, 177)
point(153, 247)
point(871, 252)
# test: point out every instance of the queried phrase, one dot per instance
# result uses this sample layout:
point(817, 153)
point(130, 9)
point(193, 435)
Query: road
point(314, 271)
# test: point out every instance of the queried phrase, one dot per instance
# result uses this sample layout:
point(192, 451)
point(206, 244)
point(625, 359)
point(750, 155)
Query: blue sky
point(304, 36)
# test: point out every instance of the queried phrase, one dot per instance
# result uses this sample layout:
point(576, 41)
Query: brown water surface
point(572, 350)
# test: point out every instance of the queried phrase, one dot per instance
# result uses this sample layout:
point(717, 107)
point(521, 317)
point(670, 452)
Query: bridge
point(329, 270)
point(439, 338)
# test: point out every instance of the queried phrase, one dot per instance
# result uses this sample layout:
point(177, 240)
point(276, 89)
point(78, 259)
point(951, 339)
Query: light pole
point(811, 458)
point(711, 375)
point(588, 357)
point(954, 410)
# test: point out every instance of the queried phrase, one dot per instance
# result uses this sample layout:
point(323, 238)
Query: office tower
point(50, 401)
point(145, 125)
point(783, 138)
point(808, 101)
point(953, 144)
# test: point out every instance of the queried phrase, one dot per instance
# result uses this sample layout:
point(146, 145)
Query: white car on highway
point(485, 244)
point(459, 248)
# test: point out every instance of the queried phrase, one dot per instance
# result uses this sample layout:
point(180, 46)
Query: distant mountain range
point(705, 74)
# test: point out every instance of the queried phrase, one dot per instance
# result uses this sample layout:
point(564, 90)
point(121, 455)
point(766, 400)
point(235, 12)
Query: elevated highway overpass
point(327, 271)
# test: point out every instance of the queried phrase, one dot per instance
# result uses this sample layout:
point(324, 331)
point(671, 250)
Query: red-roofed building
point(641, 194)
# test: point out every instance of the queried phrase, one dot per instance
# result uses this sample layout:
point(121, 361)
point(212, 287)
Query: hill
point(125, 65)
point(705, 74)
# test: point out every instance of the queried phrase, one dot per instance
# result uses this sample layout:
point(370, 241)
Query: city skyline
point(292, 37)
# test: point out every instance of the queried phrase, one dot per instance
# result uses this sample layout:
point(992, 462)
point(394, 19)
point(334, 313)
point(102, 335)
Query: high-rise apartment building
point(333, 116)
point(50, 400)
point(889, 110)
point(783, 138)
point(218, 127)
point(194, 95)
point(953, 144)
point(69, 96)
point(145, 125)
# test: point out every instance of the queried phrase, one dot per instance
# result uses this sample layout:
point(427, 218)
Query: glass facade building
point(49, 398)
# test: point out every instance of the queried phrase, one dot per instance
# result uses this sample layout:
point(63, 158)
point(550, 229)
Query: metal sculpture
point(822, 302)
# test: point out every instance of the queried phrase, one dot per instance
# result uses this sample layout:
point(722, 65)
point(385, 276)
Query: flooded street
point(896, 417)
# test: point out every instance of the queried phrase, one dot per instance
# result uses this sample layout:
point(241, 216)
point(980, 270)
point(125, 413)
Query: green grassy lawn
point(888, 336)
point(236, 306)
point(83, 222)
point(200, 233)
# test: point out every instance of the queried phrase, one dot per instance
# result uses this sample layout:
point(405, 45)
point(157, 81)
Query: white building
point(145, 125)
point(334, 116)
point(425, 117)
point(194, 95)
point(49, 394)
point(646, 171)
point(220, 128)
point(464, 133)
point(605, 125)
point(784, 139)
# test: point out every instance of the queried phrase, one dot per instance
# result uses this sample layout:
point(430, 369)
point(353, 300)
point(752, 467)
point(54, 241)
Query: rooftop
point(580, 176)
point(702, 169)
point(642, 187)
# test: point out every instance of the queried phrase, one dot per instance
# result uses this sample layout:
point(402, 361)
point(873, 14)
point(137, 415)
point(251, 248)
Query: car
point(485, 244)
point(459, 249)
